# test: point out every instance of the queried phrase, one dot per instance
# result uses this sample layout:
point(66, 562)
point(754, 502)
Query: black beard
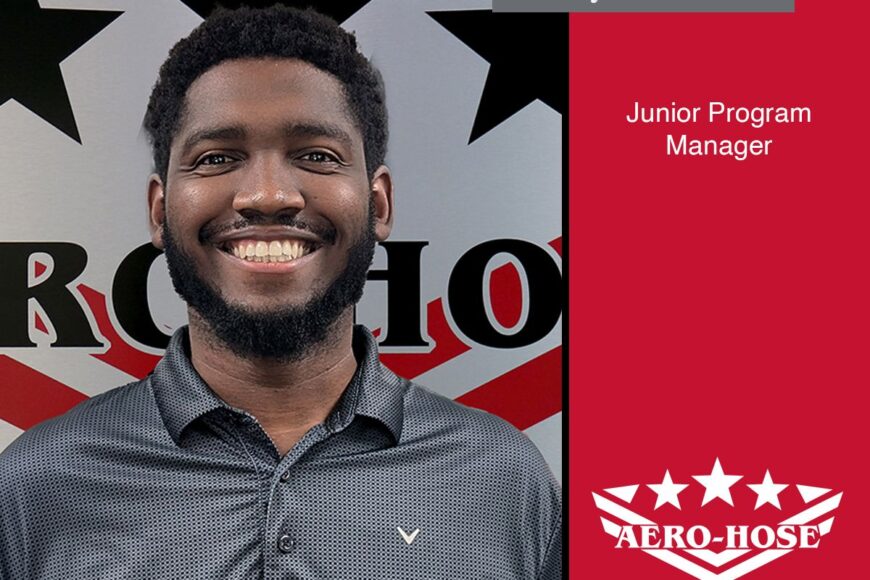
point(286, 334)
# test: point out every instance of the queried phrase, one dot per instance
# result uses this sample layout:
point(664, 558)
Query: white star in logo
point(717, 484)
point(667, 491)
point(768, 492)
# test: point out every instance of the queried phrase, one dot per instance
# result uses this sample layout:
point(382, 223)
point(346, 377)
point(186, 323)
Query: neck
point(286, 397)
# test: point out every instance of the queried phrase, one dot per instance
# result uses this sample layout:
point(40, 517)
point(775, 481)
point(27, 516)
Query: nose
point(268, 186)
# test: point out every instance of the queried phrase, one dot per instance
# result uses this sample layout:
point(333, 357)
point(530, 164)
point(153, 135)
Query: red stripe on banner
point(557, 245)
point(30, 397)
point(120, 355)
point(525, 395)
point(447, 346)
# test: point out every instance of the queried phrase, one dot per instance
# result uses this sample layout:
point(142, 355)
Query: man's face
point(267, 215)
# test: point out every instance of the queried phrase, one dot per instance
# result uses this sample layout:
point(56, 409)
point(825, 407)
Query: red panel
point(720, 308)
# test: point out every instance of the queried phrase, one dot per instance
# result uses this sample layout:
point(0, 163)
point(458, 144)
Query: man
point(269, 442)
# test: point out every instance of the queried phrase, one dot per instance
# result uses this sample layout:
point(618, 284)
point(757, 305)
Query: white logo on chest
point(408, 537)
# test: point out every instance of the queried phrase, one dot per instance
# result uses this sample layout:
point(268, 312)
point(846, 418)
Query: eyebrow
point(319, 129)
point(292, 130)
point(230, 133)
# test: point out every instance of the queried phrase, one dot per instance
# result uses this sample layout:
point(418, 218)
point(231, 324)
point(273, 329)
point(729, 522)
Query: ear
point(156, 210)
point(382, 194)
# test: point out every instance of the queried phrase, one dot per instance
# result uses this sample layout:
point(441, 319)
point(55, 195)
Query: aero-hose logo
point(717, 535)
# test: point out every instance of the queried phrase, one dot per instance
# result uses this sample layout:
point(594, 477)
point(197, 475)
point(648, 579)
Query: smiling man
point(270, 442)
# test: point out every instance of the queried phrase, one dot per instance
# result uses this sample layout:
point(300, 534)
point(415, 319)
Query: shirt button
point(286, 543)
point(285, 476)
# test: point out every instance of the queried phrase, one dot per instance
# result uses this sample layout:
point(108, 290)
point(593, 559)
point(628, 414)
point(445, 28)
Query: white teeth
point(262, 249)
point(273, 251)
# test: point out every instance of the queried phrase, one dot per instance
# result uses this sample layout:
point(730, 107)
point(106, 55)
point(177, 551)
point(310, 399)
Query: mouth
point(268, 251)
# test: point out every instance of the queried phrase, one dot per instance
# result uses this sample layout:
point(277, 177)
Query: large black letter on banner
point(403, 293)
point(130, 297)
point(466, 299)
point(56, 299)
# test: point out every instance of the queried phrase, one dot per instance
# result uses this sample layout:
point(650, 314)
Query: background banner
point(466, 295)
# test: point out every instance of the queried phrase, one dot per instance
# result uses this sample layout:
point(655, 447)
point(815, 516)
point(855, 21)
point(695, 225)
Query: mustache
point(325, 232)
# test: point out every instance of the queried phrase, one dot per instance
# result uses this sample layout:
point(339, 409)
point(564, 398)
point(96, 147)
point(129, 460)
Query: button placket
point(283, 503)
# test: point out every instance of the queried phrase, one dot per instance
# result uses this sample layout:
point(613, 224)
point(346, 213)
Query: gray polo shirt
point(162, 479)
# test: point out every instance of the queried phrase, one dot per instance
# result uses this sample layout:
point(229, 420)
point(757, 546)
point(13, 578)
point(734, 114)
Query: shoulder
point(110, 416)
point(484, 440)
point(428, 413)
point(47, 473)
point(493, 475)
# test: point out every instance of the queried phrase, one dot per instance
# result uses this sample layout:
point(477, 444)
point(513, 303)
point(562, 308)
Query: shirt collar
point(379, 393)
point(374, 391)
point(182, 396)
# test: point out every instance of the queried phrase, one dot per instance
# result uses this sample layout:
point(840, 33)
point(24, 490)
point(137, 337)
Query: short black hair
point(276, 32)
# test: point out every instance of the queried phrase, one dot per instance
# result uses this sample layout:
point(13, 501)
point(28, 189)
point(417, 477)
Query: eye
point(319, 157)
point(214, 159)
point(320, 161)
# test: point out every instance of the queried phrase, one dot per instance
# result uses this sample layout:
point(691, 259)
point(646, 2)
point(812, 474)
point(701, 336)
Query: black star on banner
point(340, 10)
point(528, 57)
point(33, 42)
